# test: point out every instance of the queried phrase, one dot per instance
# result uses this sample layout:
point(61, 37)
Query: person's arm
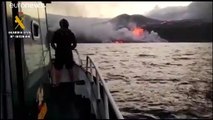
point(53, 41)
point(74, 41)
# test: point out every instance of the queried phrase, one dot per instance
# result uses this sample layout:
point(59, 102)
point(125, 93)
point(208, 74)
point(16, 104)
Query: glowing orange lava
point(137, 31)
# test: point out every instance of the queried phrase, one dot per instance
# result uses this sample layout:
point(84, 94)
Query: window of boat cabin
point(35, 30)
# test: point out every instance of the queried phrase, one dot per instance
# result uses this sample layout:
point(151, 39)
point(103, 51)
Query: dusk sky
point(107, 9)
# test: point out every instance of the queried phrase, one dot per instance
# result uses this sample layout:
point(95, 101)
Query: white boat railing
point(92, 68)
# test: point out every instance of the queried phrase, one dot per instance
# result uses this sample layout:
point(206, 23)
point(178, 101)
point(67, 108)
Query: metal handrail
point(106, 90)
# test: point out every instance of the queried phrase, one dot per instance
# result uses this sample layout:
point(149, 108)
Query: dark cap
point(64, 23)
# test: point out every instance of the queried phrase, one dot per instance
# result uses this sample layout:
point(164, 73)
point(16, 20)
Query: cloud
point(106, 9)
point(196, 10)
point(99, 30)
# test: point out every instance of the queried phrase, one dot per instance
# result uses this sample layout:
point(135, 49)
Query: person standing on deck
point(63, 42)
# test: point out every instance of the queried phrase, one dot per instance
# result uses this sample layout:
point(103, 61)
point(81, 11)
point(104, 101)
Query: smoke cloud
point(100, 30)
point(195, 10)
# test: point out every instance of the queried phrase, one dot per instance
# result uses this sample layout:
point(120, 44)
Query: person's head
point(64, 23)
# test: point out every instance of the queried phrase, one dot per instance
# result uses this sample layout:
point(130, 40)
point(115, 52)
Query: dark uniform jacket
point(65, 42)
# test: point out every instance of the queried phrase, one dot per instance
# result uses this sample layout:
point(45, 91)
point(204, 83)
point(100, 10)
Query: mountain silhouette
point(186, 30)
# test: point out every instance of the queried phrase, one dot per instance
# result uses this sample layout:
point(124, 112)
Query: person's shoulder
point(61, 31)
point(57, 31)
point(71, 32)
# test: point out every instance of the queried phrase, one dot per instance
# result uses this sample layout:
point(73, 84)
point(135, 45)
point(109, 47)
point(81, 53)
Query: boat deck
point(66, 101)
point(71, 100)
point(62, 103)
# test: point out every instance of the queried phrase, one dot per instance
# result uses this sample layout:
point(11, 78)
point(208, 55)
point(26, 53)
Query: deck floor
point(62, 103)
